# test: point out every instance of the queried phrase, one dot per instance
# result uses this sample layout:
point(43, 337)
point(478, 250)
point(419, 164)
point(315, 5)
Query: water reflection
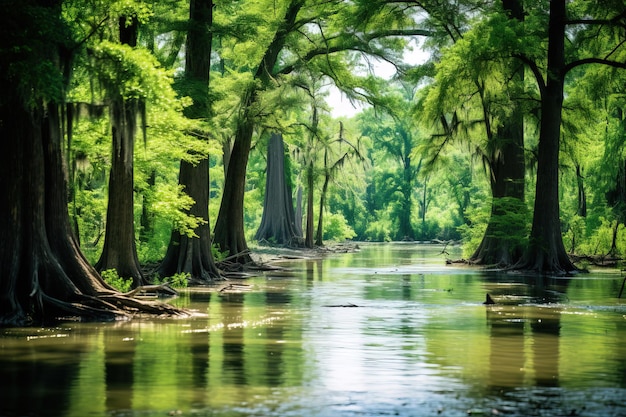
point(385, 331)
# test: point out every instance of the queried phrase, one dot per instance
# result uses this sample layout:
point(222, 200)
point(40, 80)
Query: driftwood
point(607, 261)
point(342, 305)
point(233, 287)
point(155, 290)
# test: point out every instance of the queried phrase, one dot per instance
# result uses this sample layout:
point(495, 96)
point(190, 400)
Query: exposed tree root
point(154, 289)
point(109, 306)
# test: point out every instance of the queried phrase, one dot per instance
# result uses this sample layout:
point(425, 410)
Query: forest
point(172, 136)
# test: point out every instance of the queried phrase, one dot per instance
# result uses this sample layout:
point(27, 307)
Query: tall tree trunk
point(120, 250)
point(298, 215)
point(319, 237)
point(278, 222)
point(146, 220)
point(423, 207)
point(308, 236)
point(405, 230)
point(229, 227)
point(506, 228)
point(582, 195)
point(501, 242)
point(192, 254)
point(546, 252)
point(310, 180)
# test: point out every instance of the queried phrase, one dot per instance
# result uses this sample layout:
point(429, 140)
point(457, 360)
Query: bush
point(336, 227)
point(180, 280)
point(111, 277)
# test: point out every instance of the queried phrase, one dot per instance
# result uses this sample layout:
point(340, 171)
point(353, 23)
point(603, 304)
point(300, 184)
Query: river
point(389, 330)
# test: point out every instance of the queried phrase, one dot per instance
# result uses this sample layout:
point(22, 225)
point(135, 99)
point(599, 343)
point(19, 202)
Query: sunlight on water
point(388, 330)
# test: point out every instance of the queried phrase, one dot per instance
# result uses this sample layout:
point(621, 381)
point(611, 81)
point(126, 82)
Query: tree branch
point(586, 61)
point(612, 21)
point(535, 70)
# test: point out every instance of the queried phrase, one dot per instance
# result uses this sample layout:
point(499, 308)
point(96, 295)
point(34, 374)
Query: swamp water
point(386, 331)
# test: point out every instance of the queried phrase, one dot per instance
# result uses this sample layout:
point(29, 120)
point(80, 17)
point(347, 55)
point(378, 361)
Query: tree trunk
point(278, 222)
point(120, 250)
point(501, 242)
point(506, 228)
point(319, 238)
point(405, 230)
point(546, 252)
point(423, 207)
point(582, 195)
point(192, 254)
point(229, 226)
point(146, 220)
point(308, 237)
point(299, 212)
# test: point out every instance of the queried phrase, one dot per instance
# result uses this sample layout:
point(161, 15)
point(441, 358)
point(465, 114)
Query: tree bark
point(308, 236)
point(582, 195)
point(319, 236)
point(298, 215)
point(229, 227)
point(500, 244)
point(546, 252)
point(278, 221)
point(192, 254)
point(405, 230)
point(310, 181)
point(120, 250)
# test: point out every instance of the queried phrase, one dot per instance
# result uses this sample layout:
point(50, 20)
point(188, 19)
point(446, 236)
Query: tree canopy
point(135, 129)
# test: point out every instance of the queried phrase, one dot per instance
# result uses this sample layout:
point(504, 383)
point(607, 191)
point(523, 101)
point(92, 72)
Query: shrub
point(111, 277)
point(180, 280)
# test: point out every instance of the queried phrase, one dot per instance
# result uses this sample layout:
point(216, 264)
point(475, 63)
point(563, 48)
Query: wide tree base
point(541, 263)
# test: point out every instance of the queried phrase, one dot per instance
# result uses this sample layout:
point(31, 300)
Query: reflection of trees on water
point(119, 353)
point(314, 268)
point(233, 344)
point(275, 369)
point(36, 382)
point(516, 328)
point(254, 348)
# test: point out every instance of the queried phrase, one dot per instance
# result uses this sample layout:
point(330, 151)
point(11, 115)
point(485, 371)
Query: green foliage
point(575, 234)
point(379, 228)
point(111, 277)
point(599, 242)
point(508, 221)
point(132, 73)
point(29, 56)
point(472, 233)
point(416, 167)
point(180, 280)
point(218, 255)
point(337, 228)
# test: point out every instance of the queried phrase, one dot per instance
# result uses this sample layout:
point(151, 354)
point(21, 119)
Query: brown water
point(418, 343)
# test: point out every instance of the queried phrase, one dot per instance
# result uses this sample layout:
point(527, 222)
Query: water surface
point(388, 330)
